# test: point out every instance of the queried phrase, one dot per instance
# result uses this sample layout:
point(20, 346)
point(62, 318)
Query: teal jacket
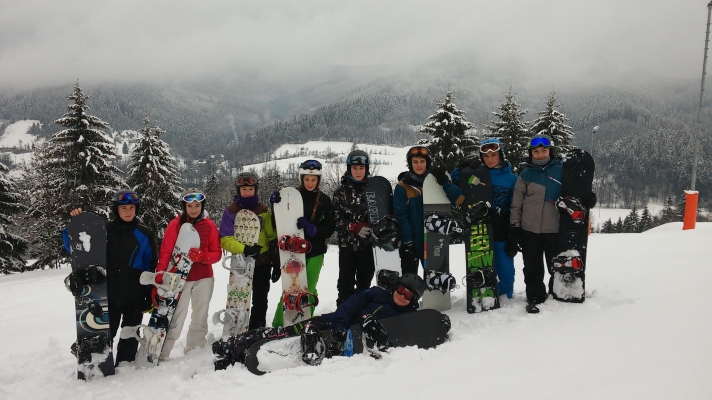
point(535, 193)
point(408, 208)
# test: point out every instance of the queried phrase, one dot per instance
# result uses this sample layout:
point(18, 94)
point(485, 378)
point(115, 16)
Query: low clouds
point(48, 42)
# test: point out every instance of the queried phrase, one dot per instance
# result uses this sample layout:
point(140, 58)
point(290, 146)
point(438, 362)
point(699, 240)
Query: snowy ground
point(643, 334)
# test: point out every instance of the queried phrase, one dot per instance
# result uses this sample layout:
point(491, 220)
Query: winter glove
point(252, 251)
point(478, 212)
point(276, 272)
point(197, 255)
point(439, 174)
point(275, 197)
point(513, 244)
point(589, 200)
point(363, 229)
point(375, 333)
point(309, 228)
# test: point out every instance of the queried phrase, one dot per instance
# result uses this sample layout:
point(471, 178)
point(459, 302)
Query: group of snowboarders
point(522, 213)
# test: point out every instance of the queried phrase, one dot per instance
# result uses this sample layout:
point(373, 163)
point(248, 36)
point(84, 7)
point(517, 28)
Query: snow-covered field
point(643, 334)
point(15, 134)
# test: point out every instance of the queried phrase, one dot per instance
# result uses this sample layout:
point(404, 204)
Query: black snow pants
point(534, 245)
point(260, 289)
point(128, 315)
point(356, 270)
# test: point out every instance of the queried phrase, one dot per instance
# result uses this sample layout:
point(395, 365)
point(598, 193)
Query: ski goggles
point(311, 164)
point(127, 198)
point(419, 151)
point(489, 148)
point(358, 160)
point(246, 181)
point(540, 141)
point(405, 292)
point(191, 197)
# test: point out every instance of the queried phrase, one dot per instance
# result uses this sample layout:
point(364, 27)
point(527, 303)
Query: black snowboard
point(481, 279)
point(570, 263)
point(425, 329)
point(87, 238)
point(379, 199)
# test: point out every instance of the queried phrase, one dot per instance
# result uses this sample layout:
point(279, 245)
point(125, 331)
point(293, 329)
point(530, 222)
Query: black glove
point(513, 242)
point(375, 333)
point(252, 251)
point(336, 347)
point(439, 174)
point(589, 200)
point(276, 272)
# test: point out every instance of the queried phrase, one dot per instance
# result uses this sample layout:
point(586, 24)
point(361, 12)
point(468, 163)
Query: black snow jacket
point(375, 300)
point(350, 206)
point(321, 215)
point(131, 250)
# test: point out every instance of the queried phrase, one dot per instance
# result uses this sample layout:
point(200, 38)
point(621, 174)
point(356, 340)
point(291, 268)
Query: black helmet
point(247, 179)
point(190, 195)
point(123, 197)
point(541, 140)
point(419, 150)
point(358, 157)
point(412, 282)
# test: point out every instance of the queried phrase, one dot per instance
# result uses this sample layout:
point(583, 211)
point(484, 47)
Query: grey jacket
point(535, 192)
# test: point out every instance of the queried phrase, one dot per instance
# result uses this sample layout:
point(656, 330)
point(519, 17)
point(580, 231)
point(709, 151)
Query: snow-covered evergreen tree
point(153, 174)
point(270, 180)
point(607, 227)
point(212, 192)
point(511, 131)
point(618, 226)
point(74, 168)
point(630, 224)
point(12, 247)
point(448, 128)
point(646, 221)
point(553, 123)
point(669, 214)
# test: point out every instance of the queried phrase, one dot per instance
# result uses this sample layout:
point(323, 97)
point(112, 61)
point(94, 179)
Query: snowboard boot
point(84, 347)
point(336, 347)
point(441, 224)
point(313, 348)
point(294, 244)
point(481, 278)
point(573, 207)
point(477, 212)
point(532, 308)
point(77, 280)
point(442, 281)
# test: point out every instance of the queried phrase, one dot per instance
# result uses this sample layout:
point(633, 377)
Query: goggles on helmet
point(358, 160)
point(540, 141)
point(191, 197)
point(127, 198)
point(405, 292)
point(489, 148)
point(246, 181)
point(311, 164)
point(419, 151)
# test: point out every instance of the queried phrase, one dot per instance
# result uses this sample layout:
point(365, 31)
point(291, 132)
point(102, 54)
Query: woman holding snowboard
point(317, 222)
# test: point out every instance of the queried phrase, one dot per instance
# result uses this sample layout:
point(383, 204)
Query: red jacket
point(209, 243)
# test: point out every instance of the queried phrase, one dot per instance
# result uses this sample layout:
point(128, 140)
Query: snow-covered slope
point(16, 135)
point(643, 334)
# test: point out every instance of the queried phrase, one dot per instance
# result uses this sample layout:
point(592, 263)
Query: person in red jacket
point(198, 288)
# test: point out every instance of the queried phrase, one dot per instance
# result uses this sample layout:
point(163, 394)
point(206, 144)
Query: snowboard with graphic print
point(379, 199)
point(570, 261)
point(87, 282)
point(480, 272)
point(436, 254)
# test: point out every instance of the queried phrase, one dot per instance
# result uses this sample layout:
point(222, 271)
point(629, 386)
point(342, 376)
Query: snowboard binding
point(235, 319)
point(441, 224)
point(386, 279)
point(170, 284)
point(299, 301)
point(478, 212)
point(375, 336)
point(78, 280)
point(573, 207)
point(294, 244)
point(480, 278)
point(92, 306)
point(84, 347)
point(442, 281)
point(563, 263)
point(313, 347)
point(237, 264)
point(384, 233)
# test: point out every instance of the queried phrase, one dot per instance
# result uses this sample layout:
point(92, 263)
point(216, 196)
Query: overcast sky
point(54, 42)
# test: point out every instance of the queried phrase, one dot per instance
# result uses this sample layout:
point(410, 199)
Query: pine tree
point(630, 224)
point(12, 247)
point(72, 169)
point(607, 227)
point(669, 214)
point(618, 227)
point(511, 131)
point(153, 175)
point(553, 123)
point(125, 148)
point(449, 130)
point(646, 221)
point(270, 180)
point(212, 192)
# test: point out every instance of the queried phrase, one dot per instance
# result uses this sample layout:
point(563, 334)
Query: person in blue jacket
point(408, 204)
point(363, 308)
point(130, 250)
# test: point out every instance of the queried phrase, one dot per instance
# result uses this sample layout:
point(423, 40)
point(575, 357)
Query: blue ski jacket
point(375, 300)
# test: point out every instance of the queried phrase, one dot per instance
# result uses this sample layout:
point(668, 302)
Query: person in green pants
point(318, 224)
